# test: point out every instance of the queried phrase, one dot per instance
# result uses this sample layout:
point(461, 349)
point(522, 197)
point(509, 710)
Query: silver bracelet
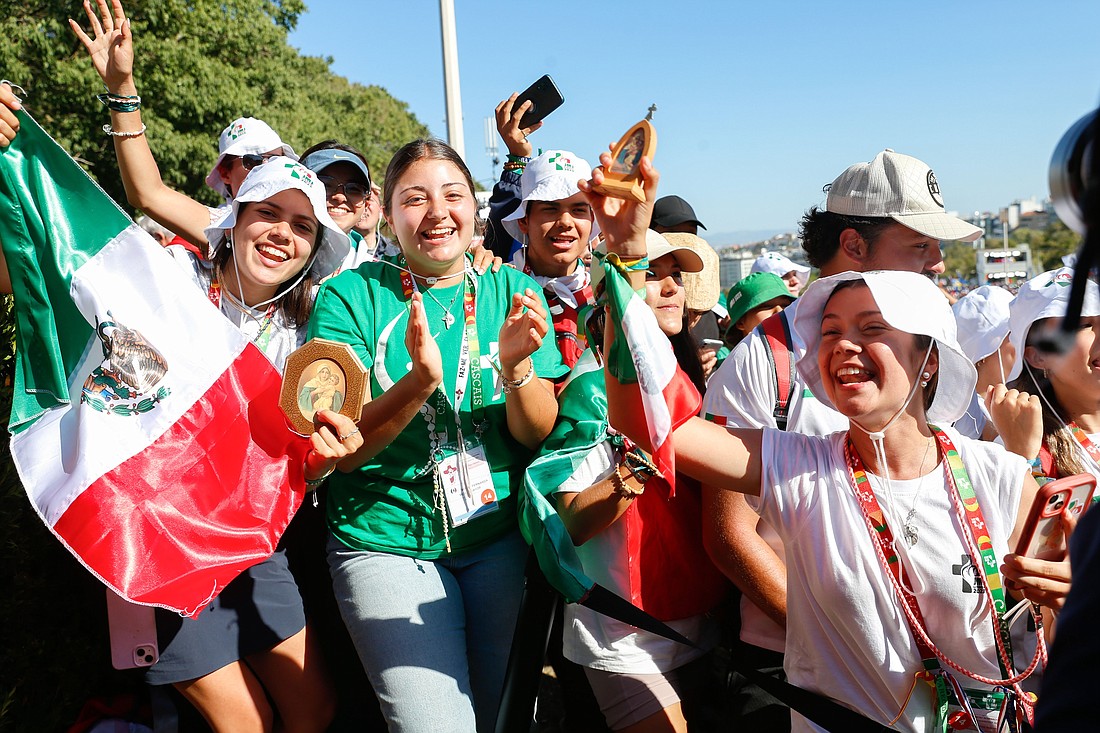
point(110, 131)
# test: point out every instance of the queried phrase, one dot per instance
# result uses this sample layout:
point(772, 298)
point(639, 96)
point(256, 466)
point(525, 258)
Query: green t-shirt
point(386, 505)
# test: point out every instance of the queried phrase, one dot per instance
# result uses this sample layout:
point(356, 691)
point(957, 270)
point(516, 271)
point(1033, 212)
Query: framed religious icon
point(322, 375)
point(621, 178)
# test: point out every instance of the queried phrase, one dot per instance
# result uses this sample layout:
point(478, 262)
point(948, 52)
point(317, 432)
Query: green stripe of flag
point(53, 219)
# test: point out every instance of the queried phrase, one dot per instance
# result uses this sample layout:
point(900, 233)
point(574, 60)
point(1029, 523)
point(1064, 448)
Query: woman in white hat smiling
point(894, 592)
point(1058, 428)
point(248, 659)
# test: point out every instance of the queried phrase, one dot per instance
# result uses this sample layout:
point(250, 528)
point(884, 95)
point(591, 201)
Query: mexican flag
point(145, 427)
point(641, 354)
point(581, 428)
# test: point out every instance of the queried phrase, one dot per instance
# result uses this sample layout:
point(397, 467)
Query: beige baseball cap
point(901, 188)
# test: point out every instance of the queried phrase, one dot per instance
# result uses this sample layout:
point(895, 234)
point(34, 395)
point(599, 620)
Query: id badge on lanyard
point(467, 484)
point(463, 475)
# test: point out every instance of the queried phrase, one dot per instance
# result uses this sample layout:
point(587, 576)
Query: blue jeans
point(433, 635)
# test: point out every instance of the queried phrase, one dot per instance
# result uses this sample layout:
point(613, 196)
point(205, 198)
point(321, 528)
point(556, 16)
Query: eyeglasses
point(251, 160)
point(353, 192)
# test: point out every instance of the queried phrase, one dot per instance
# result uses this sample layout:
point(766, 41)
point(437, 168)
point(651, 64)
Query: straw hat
point(703, 289)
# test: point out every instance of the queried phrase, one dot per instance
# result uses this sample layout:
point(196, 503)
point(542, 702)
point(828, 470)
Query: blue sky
point(760, 104)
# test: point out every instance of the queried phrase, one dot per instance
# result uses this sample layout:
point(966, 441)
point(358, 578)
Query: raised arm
point(705, 451)
point(111, 50)
point(529, 401)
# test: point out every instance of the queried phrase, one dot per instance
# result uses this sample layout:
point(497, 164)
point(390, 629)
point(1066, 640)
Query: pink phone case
point(133, 633)
point(1043, 536)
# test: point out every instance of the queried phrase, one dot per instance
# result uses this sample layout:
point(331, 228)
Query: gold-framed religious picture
point(322, 375)
point(621, 178)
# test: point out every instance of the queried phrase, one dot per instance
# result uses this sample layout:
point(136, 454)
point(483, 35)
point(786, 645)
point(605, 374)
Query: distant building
point(1005, 267)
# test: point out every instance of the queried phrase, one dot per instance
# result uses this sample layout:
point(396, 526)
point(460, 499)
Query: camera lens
point(1071, 166)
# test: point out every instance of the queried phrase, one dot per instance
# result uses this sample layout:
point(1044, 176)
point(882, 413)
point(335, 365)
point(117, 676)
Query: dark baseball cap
point(669, 211)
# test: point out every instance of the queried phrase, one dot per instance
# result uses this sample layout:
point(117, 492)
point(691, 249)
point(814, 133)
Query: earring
point(229, 239)
point(924, 379)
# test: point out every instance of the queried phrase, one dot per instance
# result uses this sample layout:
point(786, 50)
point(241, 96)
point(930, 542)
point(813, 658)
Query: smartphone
point(133, 633)
point(712, 344)
point(545, 98)
point(1043, 536)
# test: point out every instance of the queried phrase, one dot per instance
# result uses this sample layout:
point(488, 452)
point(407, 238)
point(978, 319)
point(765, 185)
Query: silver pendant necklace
point(448, 317)
point(909, 530)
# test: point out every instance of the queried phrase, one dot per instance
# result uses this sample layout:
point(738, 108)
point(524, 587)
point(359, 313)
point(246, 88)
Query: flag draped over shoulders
point(145, 427)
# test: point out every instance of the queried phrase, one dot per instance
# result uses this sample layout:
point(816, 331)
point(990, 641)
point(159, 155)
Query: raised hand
point(427, 363)
point(1018, 417)
point(9, 123)
point(623, 221)
point(111, 46)
point(523, 330)
point(514, 136)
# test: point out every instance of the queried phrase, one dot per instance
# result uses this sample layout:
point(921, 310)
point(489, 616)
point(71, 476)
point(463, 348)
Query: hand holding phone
point(1043, 536)
point(544, 97)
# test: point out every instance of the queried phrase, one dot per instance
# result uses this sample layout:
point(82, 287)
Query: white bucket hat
point(552, 176)
point(899, 187)
point(245, 136)
point(780, 265)
point(911, 303)
point(981, 319)
point(1044, 296)
point(277, 175)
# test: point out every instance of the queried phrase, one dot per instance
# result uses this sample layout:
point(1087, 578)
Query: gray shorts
point(626, 699)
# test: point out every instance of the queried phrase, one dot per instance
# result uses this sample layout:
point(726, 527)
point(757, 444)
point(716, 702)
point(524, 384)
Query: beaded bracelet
point(513, 166)
point(113, 133)
point(510, 385)
point(621, 488)
point(119, 103)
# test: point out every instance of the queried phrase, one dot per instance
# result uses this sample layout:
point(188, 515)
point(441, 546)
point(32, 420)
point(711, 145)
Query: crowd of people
point(822, 530)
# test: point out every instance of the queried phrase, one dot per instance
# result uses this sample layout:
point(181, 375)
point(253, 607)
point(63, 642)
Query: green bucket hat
point(754, 291)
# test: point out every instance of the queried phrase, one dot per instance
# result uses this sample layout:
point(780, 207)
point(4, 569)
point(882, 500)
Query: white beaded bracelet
point(511, 385)
point(113, 133)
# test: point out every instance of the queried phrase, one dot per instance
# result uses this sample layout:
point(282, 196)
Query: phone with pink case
point(133, 630)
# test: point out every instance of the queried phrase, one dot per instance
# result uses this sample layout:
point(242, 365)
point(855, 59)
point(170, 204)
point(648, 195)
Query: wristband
point(315, 482)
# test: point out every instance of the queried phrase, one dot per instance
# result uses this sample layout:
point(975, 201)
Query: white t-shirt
point(274, 337)
point(849, 638)
point(742, 392)
point(600, 642)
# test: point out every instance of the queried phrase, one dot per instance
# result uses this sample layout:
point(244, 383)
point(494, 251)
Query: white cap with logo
point(551, 176)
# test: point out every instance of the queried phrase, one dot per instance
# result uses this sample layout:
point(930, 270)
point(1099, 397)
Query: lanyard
point(214, 293)
point(1089, 447)
point(979, 547)
point(469, 370)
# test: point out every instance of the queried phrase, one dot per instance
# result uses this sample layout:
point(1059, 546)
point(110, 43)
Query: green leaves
point(199, 65)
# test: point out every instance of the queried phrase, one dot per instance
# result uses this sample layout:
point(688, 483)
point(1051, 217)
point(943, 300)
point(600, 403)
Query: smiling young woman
point(422, 519)
point(872, 348)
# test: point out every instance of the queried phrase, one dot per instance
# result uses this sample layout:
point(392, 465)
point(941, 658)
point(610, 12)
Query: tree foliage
point(199, 64)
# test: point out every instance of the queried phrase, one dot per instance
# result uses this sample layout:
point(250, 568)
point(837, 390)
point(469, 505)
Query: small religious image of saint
point(628, 157)
point(321, 387)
